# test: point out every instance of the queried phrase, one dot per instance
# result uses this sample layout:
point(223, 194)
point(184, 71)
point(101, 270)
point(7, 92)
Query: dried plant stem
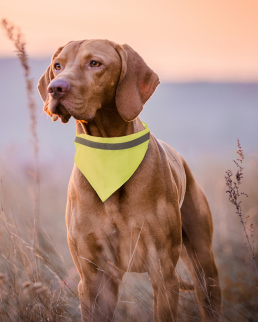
point(15, 35)
point(234, 194)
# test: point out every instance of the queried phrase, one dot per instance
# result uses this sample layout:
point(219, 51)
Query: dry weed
point(234, 194)
point(15, 35)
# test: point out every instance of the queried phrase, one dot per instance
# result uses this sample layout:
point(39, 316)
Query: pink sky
point(179, 39)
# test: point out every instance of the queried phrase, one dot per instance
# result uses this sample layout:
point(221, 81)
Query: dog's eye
point(95, 63)
point(57, 66)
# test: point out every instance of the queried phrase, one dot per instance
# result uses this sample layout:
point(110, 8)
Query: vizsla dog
point(140, 227)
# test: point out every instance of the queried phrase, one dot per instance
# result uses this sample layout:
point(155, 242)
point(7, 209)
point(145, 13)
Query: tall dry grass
point(21, 297)
point(39, 283)
point(15, 35)
point(237, 274)
point(234, 197)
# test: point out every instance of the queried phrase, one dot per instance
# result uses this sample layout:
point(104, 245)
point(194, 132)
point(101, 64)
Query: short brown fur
point(141, 227)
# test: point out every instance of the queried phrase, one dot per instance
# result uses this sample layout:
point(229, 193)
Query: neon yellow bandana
point(107, 163)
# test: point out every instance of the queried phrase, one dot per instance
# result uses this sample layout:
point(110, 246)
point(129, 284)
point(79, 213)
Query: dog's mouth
point(57, 110)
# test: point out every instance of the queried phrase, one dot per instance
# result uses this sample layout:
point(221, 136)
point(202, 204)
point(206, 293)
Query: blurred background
point(206, 55)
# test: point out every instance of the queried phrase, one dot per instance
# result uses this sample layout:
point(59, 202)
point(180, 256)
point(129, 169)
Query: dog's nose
point(58, 87)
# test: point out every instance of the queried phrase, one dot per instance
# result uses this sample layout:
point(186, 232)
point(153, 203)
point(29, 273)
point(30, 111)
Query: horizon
point(196, 80)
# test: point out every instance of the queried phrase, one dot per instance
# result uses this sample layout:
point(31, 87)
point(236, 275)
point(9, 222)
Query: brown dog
point(140, 227)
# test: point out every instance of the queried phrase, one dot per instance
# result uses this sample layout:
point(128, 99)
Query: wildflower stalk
point(15, 35)
point(234, 194)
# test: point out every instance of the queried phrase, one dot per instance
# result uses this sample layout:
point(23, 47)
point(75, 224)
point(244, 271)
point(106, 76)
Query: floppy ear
point(43, 83)
point(136, 84)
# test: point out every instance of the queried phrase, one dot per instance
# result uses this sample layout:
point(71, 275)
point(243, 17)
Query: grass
point(237, 274)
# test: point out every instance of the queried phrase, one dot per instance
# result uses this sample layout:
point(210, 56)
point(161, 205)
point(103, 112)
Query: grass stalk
point(234, 194)
point(15, 35)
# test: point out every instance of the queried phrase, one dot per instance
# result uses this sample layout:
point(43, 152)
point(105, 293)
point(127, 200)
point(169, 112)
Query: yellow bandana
point(108, 163)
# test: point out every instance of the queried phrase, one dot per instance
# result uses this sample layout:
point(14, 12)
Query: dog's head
point(85, 76)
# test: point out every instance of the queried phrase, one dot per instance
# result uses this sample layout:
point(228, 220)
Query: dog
point(140, 227)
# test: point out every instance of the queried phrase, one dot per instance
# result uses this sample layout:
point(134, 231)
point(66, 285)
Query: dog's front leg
point(98, 288)
point(165, 287)
point(98, 294)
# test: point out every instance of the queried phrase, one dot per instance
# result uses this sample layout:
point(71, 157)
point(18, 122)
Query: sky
point(182, 40)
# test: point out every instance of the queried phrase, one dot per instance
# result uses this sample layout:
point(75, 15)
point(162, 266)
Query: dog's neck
point(108, 123)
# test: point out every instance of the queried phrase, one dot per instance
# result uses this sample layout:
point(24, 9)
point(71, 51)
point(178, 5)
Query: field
point(55, 266)
point(202, 121)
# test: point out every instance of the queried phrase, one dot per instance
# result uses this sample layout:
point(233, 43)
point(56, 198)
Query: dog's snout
point(58, 87)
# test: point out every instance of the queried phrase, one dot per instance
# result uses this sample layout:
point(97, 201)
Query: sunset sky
point(181, 40)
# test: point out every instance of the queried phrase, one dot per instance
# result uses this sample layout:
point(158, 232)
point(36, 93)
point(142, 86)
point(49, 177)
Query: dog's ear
point(43, 83)
point(136, 84)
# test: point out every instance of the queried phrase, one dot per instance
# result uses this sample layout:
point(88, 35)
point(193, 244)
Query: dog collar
point(107, 163)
